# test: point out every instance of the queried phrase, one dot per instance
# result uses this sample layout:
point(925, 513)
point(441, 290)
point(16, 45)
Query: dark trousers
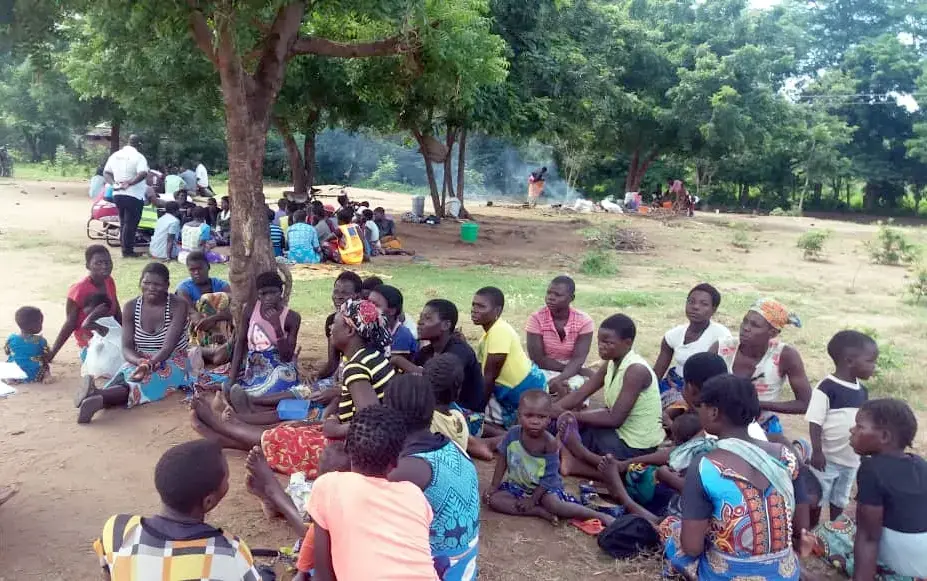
point(130, 214)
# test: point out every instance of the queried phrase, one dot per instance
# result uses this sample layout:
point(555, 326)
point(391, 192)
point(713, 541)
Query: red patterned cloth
point(293, 448)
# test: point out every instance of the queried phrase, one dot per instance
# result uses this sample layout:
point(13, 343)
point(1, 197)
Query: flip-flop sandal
point(592, 526)
point(83, 391)
point(88, 408)
point(572, 427)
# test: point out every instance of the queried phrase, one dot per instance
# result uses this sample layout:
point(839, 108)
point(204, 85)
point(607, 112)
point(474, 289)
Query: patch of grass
point(740, 239)
point(812, 243)
point(599, 263)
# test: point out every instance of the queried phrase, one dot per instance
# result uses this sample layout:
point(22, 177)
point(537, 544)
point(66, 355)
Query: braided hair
point(410, 395)
point(375, 439)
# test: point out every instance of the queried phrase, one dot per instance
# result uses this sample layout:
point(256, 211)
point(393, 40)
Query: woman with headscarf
point(360, 332)
point(759, 355)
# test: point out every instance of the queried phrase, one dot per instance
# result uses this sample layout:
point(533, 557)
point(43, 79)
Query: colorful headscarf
point(369, 322)
point(775, 313)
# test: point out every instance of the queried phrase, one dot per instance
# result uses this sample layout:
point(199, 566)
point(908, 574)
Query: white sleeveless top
point(767, 378)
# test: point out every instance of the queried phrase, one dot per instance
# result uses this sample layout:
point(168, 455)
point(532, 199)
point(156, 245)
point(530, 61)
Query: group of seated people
point(389, 425)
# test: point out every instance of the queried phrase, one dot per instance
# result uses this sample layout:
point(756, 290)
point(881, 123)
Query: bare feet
point(219, 403)
point(606, 519)
point(88, 408)
point(609, 466)
point(261, 482)
point(541, 512)
point(479, 449)
point(7, 492)
point(240, 400)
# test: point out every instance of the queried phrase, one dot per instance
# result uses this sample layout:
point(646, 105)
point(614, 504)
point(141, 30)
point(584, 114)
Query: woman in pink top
point(367, 527)
point(559, 338)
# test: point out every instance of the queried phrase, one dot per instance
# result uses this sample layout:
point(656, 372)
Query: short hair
point(271, 215)
point(158, 269)
point(292, 207)
point(188, 473)
point(225, 199)
point(712, 292)
point(895, 417)
point(535, 396)
point(353, 278)
point(367, 214)
point(735, 397)
point(371, 282)
point(299, 216)
point(685, 427)
point(411, 396)
point(92, 251)
point(26, 316)
point(495, 296)
point(172, 207)
point(621, 325)
point(268, 279)
point(197, 256)
point(566, 281)
point(199, 213)
point(445, 373)
point(845, 341)
point(379, 209)
point(97, 299)
point(343, 199)
point(701, 367)
point(282, 203)
point(375, 438)
point(447, 311)
point(392, 295)
point(345, 215)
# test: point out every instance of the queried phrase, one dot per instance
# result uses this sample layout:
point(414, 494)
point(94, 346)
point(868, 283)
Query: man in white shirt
point(202, 181)
point(126, 170)
point(166, 237)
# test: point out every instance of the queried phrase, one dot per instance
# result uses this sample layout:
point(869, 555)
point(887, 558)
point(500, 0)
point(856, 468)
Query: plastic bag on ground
point(104, 353)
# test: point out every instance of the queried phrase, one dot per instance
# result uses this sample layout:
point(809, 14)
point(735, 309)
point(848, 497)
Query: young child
point(393, 518)
point(890, 535)
point(277, 237)
point(371, 232)
point(282, 205)
point(832, 412)
point(28, 349)
point(191, 479)
point(527, 479)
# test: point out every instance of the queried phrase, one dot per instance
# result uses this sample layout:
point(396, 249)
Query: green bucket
point(469, 231)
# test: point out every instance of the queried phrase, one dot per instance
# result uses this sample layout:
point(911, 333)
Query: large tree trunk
point(637, 169)
point(448, 187)
point(461, 173)
point(430, 174)
point(114, 130)
point(295, 159)
point(309, 149)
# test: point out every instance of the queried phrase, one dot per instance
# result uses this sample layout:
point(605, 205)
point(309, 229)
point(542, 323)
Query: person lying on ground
point(177, 544)
point(683, 341)
point(210, 322)
point(527, 481)
point(888, 537)
point(630, 423)
point(28, 349)
point(507, 370)
point(444, 472)
point(559, 338)
point(759, 355)
point(389, 300)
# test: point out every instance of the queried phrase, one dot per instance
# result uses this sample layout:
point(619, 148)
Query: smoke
point(495, 169)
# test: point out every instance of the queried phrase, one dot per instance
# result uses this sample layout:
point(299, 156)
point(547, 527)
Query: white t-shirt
point(202, 176)
point(373, 231)
point(125, 164)
point(833, 406)
point(681, 352)
point(165, 226)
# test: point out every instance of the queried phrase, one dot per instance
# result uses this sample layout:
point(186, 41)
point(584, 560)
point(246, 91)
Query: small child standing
point(527, 479)
point(832, 412)
point(29, 349)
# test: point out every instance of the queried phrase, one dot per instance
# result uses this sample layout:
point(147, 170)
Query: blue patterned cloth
point(304, 244)
point(455, 500)
point(30, 352)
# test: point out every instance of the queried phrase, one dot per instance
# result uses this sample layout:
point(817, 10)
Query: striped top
point(151, 343)
point(365, 365)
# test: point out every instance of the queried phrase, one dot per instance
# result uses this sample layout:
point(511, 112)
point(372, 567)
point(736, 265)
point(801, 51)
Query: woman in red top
point(99, 267)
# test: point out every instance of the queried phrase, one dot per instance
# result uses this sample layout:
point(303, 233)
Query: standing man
point(202, 181)
point(126, 170)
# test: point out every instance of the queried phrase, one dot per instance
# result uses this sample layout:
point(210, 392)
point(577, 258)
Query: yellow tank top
point(352, 246)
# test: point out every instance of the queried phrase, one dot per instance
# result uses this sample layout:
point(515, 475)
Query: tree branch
point(324, 47)
point(202, 33)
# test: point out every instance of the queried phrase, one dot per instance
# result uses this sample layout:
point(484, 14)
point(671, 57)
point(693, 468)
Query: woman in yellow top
point(507, 370)
point(630, 424)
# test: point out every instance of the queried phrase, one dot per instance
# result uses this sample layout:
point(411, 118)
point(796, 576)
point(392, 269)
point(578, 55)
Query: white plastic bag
point(104, 353)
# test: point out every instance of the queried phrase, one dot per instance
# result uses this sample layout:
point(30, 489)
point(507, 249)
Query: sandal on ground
point(90, 406)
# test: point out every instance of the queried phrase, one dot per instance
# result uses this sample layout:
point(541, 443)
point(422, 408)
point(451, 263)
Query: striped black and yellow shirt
point(366, 365)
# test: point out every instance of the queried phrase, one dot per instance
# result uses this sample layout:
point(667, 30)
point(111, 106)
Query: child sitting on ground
point(395, 517)
point(177, 544)
point(890, 534)
point(28, 349)
point(832, 412)
point(527, 479)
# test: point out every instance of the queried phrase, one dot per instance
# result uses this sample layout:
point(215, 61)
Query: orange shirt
point(378, 529)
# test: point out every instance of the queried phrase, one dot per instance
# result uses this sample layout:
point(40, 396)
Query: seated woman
point(559, 338)
point(389, 300)
point(197, 235)
point(888, 539)
point(265, 344)
point(685, 340)
point(223, 233)
point(758, 355)
point(303, 241)
point(629, 425)
point(210, 314)
point(154, 346)
point(743, 503)
point(359, 331)
point(99, 265)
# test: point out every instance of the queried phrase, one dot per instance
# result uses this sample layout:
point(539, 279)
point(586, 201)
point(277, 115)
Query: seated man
point(177, 544)
point(559, 338)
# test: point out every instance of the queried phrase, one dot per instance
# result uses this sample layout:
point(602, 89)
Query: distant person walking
point(126, 170)
point(536, 185)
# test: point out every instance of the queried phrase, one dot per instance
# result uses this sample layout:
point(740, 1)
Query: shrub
point(812, 243)
point(741, 240)
point(599, 262)
point(918, 287)
point(793, 212)
point(891, 246)
point(386, 171)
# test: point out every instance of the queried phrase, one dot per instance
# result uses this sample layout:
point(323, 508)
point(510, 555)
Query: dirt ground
point(72, 477)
